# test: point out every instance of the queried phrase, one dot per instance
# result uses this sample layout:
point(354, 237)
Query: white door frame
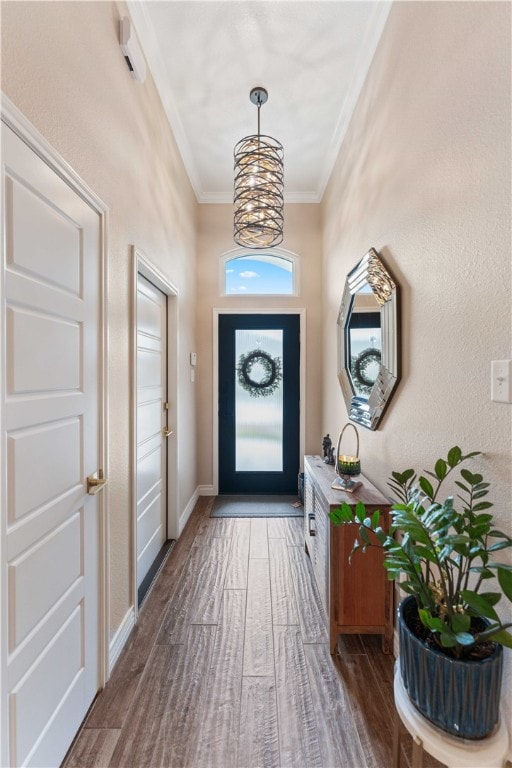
point(142, 265)
point(302, 373)
point(14, 119)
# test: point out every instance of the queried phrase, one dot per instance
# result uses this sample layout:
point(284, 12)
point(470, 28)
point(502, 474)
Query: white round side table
point(490, 752)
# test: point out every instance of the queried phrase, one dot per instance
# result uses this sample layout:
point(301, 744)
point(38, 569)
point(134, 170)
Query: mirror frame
point(371, 271)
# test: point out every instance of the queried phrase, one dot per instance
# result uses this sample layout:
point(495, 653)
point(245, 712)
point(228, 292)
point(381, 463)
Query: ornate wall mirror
point(369, 340)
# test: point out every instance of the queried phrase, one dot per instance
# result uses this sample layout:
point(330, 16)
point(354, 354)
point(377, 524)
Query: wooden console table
point(357, 596)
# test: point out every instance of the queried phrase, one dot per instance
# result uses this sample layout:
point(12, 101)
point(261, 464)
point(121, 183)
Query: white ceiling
point(311, 55)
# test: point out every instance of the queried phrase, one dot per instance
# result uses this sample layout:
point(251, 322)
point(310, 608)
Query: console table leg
point(417, 752)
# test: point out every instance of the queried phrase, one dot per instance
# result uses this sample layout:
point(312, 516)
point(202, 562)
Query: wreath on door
point(362, 362)
point(271, 373)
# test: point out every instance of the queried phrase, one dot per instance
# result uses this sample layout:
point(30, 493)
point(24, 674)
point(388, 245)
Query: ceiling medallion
point(259, 184)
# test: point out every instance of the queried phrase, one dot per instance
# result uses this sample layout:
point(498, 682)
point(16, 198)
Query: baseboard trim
point(206, 490)
point(152, 575)
point(187, 511)
point(119, 640)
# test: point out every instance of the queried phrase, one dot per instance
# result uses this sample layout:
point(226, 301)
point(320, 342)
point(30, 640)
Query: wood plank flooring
point(229, 665)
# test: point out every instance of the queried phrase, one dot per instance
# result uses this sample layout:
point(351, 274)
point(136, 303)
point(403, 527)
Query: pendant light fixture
point(259, 182)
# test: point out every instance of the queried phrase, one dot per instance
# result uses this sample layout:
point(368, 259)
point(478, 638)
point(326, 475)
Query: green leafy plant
point(442, 555)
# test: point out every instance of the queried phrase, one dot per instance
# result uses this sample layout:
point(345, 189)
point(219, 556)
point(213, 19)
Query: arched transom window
point(259, 274)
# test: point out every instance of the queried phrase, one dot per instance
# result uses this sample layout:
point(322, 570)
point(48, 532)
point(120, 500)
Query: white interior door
point(151, 425)
point(50, 444)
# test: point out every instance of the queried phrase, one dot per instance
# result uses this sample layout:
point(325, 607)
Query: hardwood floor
point(229, 665)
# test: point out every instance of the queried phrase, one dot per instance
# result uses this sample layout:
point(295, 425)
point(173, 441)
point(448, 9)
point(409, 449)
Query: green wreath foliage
point(271, 380)
point(359, 367)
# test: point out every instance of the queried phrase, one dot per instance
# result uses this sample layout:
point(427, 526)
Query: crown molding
point(147, 39)
point(373, 35)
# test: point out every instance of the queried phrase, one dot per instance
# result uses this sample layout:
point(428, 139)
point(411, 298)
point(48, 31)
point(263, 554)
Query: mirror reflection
point(363, 342)
point(368, 340)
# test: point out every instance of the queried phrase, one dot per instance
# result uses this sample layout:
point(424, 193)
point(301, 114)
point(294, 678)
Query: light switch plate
point(193, 358)
point(501, 379)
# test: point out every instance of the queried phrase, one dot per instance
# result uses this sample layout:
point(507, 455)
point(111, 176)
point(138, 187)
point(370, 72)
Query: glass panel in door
point(259, 400)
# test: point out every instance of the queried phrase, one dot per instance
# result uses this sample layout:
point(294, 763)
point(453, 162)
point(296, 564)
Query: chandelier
point(258, 196)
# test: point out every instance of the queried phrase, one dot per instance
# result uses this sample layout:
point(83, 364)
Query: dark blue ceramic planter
point(461, 697)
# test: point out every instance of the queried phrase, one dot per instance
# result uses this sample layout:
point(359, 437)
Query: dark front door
point(259, 403)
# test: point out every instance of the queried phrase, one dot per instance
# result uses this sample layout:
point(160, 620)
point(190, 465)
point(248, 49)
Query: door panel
point(151, 418)
point(149, 369)
point(149, 423)
point(45, 352)
point(149, 471)
point(39, 577)
point(61, 266)
point(259, 389)
point(50, 437)
point(52, 450)
point(33, 698)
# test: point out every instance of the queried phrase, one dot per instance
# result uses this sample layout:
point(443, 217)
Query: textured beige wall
point(302, 236)
point(62, 66)
point(424, 177)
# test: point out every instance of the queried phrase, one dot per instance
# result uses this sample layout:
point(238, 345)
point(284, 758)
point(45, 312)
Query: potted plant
point(440, 552)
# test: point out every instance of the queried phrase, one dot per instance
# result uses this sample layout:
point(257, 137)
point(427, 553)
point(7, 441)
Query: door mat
point(257, 506)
